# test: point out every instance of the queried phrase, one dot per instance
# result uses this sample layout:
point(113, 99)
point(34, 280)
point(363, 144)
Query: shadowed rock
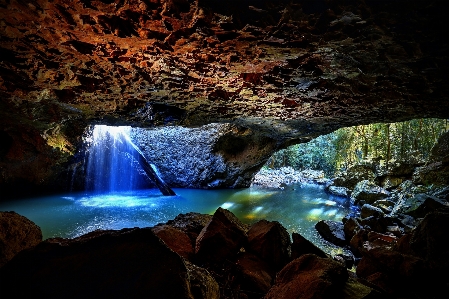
point(309, 276)
point(302, 246)
point(175, 239)
point(220, 239)
point(16, 234)
point(332, 231)
point(130, 263)
point(271, 242)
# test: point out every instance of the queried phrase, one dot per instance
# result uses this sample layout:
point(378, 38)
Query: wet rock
point(16, 234)
point(220, 239)
point(114, 264)
point(175, 239)
point(309, 276)
point(301, 246)
point(202, 284)
point(339, 191)
point(254, 276)
point(367, 192)
point(331, 231)
point(270, 241)
point(369, 210)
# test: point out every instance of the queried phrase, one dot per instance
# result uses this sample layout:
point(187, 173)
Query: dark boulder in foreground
point(309, 277)
point(130, 263)
point(270, 241)
point(332, 231)
point(220, 239)
point(16, 234)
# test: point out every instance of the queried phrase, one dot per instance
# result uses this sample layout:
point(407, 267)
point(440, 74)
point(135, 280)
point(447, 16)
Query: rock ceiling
point(290, 70)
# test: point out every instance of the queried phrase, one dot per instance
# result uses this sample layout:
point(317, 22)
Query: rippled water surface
point(71, 215)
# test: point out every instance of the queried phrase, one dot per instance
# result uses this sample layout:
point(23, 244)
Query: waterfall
point(112, 160)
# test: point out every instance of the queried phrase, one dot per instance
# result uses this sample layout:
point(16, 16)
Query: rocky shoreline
point(397, 240)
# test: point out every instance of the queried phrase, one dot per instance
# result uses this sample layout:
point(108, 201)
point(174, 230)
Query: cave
point(209, 91)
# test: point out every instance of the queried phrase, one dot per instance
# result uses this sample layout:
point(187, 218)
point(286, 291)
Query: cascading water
point(112, 160)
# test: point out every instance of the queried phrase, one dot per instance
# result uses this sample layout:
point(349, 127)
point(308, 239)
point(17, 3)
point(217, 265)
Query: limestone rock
point(354, 175)
point(220, 239)
point(129, 263)
point(301, 246)
point(368, 192)
point(309, 276)
point(339, 191)
point(16, 234)
point(332, 231)
point(270, 241)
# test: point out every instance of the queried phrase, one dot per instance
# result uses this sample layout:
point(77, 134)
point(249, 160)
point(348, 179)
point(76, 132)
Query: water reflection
point(71, 215)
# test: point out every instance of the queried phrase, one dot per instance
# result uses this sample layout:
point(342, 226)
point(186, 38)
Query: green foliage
point(408, 141)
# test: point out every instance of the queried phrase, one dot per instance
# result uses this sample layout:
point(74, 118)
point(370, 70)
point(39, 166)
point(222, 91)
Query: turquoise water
point(298, 208)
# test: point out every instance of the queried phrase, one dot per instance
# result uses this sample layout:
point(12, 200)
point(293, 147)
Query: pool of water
point(298, 208)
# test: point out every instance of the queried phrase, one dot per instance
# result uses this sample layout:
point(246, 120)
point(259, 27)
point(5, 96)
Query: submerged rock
point(16, 234)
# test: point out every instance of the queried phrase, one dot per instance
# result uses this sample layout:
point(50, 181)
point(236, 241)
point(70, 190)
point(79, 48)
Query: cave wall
point(285, 71)
point(211, 156)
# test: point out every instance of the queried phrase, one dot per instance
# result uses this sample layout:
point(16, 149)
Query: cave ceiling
point(288, 69)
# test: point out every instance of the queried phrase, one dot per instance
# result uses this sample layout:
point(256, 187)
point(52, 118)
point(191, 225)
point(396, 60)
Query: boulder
point(369, 210)
point(190, 223)
point(377, 223)
point(421, 204)
point(368, 192)
point(270, 241)
point(385, 205)
point(130, 263)
point(202, 284)
point(16, 234)
point(220, 239)
point(175, 239)
point(254, 276)
point(309, 277)
point(332, 231)
point(390, 182)
point(301, 246)
point(429, 240)
point(351, 227)
point(339, 191)
point(356, 243)
point(353, 175)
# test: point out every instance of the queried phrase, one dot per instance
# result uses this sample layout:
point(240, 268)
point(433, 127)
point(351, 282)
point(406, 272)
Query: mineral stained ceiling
point(289, 70)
